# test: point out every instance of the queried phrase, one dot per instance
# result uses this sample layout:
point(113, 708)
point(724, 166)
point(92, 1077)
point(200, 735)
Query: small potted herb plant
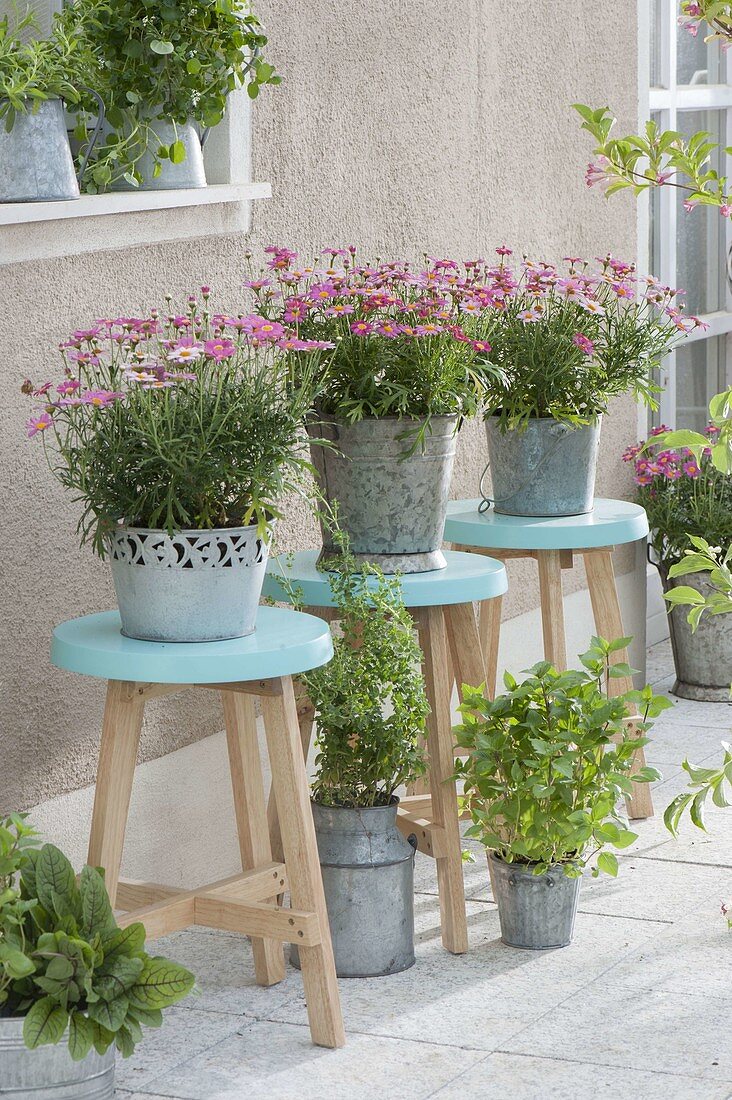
point(37, 76)
point(546, 764)
point(394, 392)
point(164, 72)
point(688, 498)
point(178, 437)
point(563, 343)
point(73, 985)
point(370, 712)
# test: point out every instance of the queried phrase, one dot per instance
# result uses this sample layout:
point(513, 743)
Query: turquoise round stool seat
point(611, 523)
point(464, 579)
point(284, 643)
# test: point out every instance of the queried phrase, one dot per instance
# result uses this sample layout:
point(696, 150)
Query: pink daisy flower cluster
point(654, 465)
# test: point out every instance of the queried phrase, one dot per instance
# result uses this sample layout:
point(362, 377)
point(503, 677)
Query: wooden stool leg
point(489, 626)
point(245, 763)
point(552, 607)
point(121, 728)
point(609, 625)
point(466, 651)
point(290, 786)
point(440, 746)
point(306, 722)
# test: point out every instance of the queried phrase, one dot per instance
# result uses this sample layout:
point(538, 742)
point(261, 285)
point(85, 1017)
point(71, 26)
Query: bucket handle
point(95, 133)
point(203, 136)
point(486, 501)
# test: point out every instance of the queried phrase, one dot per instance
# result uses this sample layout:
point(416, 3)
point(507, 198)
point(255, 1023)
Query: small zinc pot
point(192, 586)
point(536, 911)
point(48, 1073)
point(391, 502)
point(368, 878)
point(703, 659)
point(547, 469)
point(190, 172)
point(35, 156)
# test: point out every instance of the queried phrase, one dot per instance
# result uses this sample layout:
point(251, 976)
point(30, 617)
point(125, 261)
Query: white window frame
point(667, 103)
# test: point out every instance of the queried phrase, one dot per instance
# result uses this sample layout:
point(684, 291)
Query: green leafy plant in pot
point(562, 342)
point(73, 984)
point(165, 72)
point(179, 437)
point(394, 391)
point(370, 712)
point(546, 764)
point(38, 76)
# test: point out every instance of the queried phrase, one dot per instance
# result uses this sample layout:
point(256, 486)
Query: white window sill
point(128, 202)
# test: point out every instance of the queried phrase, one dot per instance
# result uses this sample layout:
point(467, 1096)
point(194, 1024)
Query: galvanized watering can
point(36, 164)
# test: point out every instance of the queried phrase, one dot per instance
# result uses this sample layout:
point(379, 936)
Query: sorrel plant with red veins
point(175, 420)
point(561, 342)
point(683, 495)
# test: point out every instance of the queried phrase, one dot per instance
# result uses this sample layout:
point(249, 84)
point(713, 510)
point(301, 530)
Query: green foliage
point(548, 760)
point(65, 965)
point(703, 782)
point(369, 700)
point(719, 448)
point(703, 559)
point(34, 70)
point(174, 61)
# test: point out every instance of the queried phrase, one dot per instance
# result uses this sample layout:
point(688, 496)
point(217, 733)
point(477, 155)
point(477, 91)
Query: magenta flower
point(267, 330)
point(691, 469)
point(632, 452)
point(531, 315)
point(295, 309)
point(480, 345)
point(503, 251)
point(672, 473)
point(429, 329)
point(42, 390)
point(101, 399)
point(388, 329)
point(68, 387)
point(38, 423)
point(218, 350)
point(583, 343)
point(339, 309)
point(362, 328)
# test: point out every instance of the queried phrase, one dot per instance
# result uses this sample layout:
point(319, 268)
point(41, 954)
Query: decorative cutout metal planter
point(391, 502)
point(535, 911)
point(703, 660)
point(546, 470)
point(48, 1073)
point(193, 586)
point(368, 877)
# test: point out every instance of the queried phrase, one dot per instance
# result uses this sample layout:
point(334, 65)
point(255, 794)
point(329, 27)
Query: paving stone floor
point(637, 1008)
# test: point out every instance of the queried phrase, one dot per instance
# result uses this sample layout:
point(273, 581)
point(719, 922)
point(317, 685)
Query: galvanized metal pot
point(368, 878)
point(546, 470)
point(49, 1073)
point(193, 586)
point(189, 173)
point(35, 157)
point(391, 503)
point(535, 911)
point(703, 660)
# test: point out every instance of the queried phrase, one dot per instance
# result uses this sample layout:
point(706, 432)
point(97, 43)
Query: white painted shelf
point(130, 202)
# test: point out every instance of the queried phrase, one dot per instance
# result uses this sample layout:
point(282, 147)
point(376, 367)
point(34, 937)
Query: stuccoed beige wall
point(402, 125)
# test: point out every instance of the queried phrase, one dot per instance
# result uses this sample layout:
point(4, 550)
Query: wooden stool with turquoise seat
point(552, 542)
point(262, 664)
point(441, 605)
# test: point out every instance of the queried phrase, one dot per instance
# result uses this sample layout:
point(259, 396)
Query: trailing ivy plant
point(66, 967)
point(369, 701)
point(173, 61)
point(36, 70)
point(549, 759)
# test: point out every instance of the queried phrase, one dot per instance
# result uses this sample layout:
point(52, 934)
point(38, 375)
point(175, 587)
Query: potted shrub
point(370, 712)
point(394, 392)
point(562, 344)
point(688, 496)
point(164, 72)
point(546, 764)
point(37, 77)
point(73, 985)
point(178, 437)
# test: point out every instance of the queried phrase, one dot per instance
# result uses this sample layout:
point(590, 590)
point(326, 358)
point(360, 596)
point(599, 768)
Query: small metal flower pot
point(48, 1073)
point(702, 659)
point(548, 469)
point(35, 156)
point(368, 878)
point(391, 502)
point(536, 911)
point(193, 586)
point(189, 173)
